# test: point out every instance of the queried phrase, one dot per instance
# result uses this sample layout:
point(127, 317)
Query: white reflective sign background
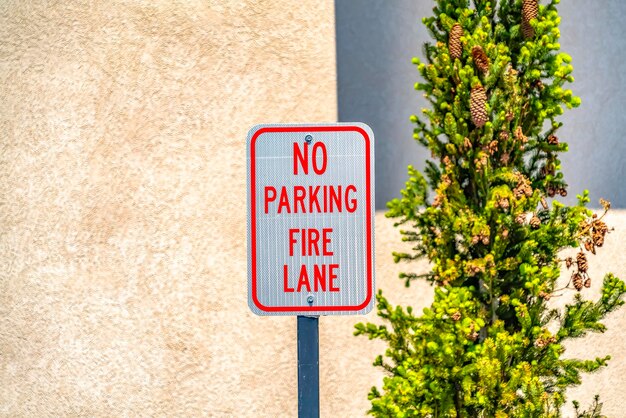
point(311, 219)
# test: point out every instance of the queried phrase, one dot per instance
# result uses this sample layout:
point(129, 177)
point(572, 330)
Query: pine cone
point(478, 106)
point(481, 60)
point(528, 191)
point(588, 283)
point(598, 239)
point(467, 143)
point(480, 238)
point(543, 342)
point(544, 204)
point(581, 260)
point(503, 203)
point(519, 135)
point(530, 10)
point(563, 192)
point(522, 188)
point(535, 222)
point(456, 316)
point(577, 280)
point(553, 140)
point(599, 227)
point(473, 335)
point(520, 219)
point(568, 262)
point(454, 42)
point(481, 161)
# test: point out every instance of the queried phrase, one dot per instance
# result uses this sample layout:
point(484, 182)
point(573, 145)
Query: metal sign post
point(308, 367)
point(310, 231)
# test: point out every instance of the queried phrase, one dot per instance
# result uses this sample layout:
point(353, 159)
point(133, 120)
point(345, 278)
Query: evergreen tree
point(490, 345)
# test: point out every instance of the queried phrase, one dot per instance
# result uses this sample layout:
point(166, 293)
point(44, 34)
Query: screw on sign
point(310, 230)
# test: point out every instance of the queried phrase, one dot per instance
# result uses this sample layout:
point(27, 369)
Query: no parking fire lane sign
point(311, 219)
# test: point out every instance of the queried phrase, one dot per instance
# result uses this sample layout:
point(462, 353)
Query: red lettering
point(324, 278)
point(299, 193)
point(269, 198)
point(326, 240)
point(335, 196)
point(314, 236)
point(304, 279)
point(332, 276)
point(320, 170)
point(310, 241)
point(351, 204)
point(299, 157)
point(313, 198)
point(286, 287)
point(292, 240)
point(284, 200)
point(319, 274)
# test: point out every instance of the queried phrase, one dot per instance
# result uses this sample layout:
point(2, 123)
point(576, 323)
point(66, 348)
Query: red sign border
point(337, 128)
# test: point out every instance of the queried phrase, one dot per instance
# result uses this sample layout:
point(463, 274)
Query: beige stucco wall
point(122, 216)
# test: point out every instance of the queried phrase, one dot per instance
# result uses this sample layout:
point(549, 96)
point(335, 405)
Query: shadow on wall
point(376, 40)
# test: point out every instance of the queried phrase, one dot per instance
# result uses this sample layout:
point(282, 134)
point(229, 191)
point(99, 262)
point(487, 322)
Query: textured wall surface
point(376, 40)
point(122, 232)
point(122, 179)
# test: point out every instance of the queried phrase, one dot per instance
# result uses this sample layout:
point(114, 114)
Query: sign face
point(311, 219)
